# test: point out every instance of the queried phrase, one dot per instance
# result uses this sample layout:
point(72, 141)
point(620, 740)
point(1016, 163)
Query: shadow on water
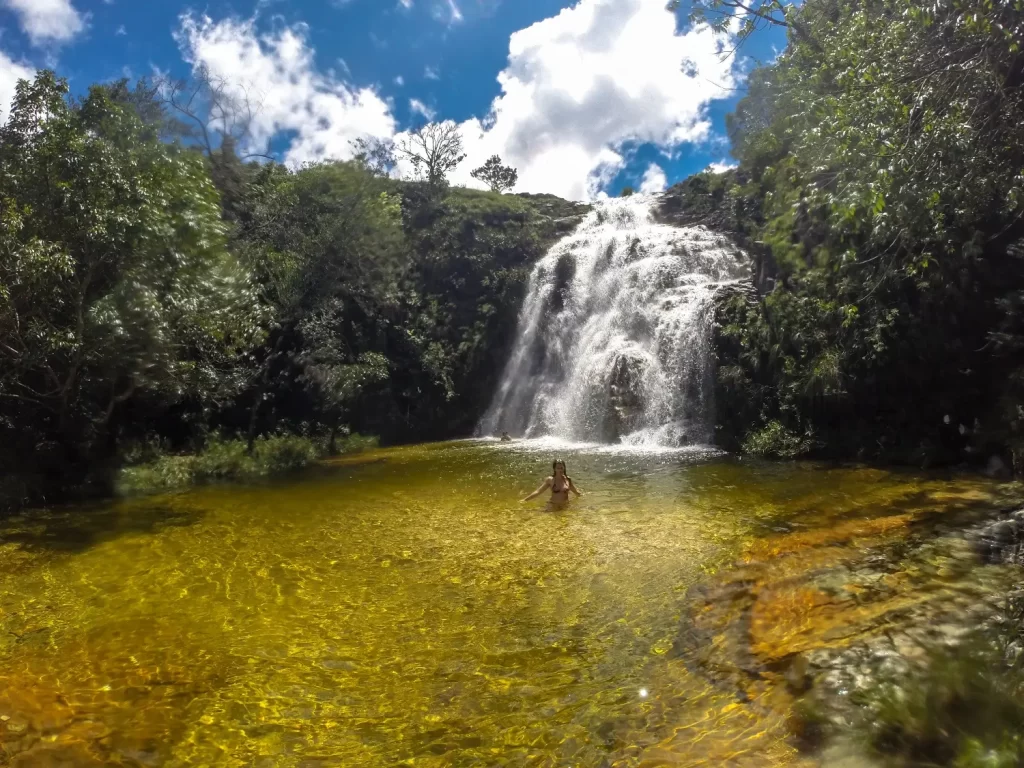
point(74, 530)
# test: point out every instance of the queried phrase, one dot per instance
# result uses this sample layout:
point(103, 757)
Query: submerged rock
point(997, 468)
point(1001, 541)
point(819, 615)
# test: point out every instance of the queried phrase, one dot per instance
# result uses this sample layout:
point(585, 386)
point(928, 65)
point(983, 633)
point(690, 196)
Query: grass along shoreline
point(223, 460)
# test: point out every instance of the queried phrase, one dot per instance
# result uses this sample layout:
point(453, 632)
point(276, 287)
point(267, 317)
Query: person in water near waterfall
point(559, 483)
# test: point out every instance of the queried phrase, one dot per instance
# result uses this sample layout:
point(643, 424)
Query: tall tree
point(753, 15)
point(883, 169)
point(497, 176)
point(325, 244)
point(211, 109)
point(378, 156)
point(115, 282)
point(434, 149)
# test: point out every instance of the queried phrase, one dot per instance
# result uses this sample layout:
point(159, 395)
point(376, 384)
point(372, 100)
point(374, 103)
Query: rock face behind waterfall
point(614, 337)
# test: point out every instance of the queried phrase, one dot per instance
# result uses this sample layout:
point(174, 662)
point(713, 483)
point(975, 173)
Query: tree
point(495, 175)
point(434, 150)
point(215, 115)
point(115, 281)
point(211, 110)
point(754, 15)
point(378, 156)
point(882, 173)
point(337, 374)
point(627, 192)
point(325, 245)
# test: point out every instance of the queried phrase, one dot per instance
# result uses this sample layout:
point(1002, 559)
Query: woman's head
point(557, 465)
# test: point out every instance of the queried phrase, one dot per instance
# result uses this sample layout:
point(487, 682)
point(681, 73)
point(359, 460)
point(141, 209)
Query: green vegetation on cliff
point(881, 192)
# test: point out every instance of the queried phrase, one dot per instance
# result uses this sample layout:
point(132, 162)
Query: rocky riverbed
point(813, 620)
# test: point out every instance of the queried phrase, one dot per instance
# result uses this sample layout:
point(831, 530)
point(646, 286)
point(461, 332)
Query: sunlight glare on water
point(397, 607)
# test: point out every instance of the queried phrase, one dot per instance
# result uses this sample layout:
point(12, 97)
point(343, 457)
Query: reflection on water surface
point(403, 608)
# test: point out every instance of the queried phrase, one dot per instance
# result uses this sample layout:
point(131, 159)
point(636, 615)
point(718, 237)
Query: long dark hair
point(554, 467)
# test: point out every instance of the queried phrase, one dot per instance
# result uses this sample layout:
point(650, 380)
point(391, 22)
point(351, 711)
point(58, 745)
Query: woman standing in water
point(559, 483)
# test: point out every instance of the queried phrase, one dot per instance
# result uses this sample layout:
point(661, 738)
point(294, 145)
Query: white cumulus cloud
point(10, 73)
point(654, 180)
point(579, 92)
point(721, 167)
point(47, 21)
point(418, 107)
point(582, 86)
point(277, 72)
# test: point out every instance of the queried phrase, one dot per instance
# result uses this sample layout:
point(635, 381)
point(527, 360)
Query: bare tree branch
point(220, 110)
point(434, 150)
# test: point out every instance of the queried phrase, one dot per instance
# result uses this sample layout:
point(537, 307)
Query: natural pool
point(401, 607)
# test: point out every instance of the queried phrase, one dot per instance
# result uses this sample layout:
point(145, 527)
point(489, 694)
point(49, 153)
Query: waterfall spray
point(614, 337)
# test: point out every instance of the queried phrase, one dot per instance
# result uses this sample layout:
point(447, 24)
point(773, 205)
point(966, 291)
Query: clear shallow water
point(402, 607)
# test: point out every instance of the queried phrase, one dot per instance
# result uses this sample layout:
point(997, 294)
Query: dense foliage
point(116, 286)
point(880, 188)
point(159, 292)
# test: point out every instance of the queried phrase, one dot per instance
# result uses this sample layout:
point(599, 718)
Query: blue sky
point(583, 97)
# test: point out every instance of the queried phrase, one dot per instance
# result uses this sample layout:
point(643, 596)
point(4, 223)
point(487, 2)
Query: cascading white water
point(614, 338)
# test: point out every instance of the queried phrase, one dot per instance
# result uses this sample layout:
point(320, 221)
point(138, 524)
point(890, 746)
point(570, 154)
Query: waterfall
point(614, 337)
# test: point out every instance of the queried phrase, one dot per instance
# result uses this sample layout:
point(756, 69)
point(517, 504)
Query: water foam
point(614, 337)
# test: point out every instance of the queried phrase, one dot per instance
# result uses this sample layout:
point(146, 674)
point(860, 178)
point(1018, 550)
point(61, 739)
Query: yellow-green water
point(400, 608)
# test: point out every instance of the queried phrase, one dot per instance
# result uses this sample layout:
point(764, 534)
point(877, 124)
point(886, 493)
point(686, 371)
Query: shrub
point(356, 443)
point(230, 460)
point(273, 455)
point(775, 441)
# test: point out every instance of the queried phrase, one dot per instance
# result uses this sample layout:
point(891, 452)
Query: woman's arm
point(573, 488)
point(539, 491)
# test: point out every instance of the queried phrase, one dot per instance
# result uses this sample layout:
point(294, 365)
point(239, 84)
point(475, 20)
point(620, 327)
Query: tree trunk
point(332, 444)
point(254, 413)
point(262, 392)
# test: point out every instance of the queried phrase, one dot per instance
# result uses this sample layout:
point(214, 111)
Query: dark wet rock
point(1001, 541)
point(1005, 531)
point(997, 468)
point(820, 615)
point(845, 677)
point(15, 726)
point(798, 675)
point(625, 405)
